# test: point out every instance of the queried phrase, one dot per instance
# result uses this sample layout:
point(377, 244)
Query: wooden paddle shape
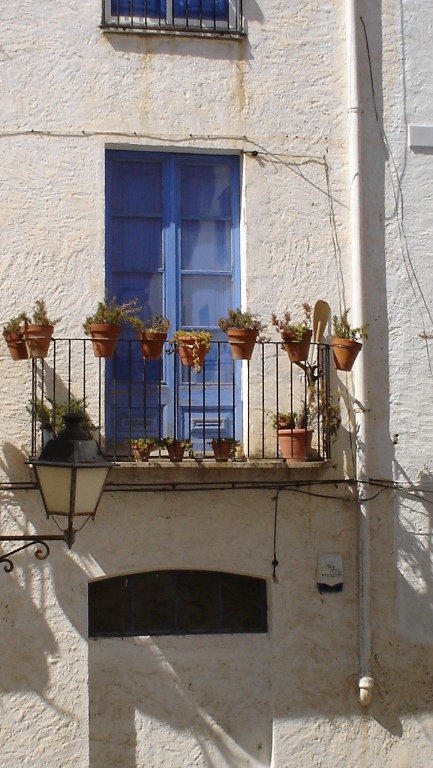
point(321, 314)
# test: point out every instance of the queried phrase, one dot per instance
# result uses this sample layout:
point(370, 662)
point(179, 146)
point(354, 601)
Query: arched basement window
point(177, 603)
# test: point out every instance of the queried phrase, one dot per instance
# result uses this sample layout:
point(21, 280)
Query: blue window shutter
point(172, 230)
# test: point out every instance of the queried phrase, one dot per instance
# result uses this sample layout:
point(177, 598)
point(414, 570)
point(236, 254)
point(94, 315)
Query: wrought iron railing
point(128, 397)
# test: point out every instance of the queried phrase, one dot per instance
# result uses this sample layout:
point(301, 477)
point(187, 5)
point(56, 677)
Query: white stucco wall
point(288, 698)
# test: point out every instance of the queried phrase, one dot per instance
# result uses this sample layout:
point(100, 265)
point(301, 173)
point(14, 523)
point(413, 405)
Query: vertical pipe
point(360, 375)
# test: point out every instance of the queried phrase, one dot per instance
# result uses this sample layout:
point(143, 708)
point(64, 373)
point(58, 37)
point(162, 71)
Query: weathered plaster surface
point(289, 698)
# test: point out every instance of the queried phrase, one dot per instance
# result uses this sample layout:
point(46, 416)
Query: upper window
point(207, 16)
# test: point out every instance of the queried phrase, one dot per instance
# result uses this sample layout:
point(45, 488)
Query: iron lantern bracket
point(18, 543)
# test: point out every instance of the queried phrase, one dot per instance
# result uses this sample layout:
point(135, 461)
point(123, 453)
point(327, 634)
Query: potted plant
point(223, 447)
point(13, 333)
point(242, 328)
point(345, 342)
point(38, 330)
point(193, 347)
point(152, 335)
point(50, 413)
point(296, 336)
point(104, 325)
point(176, 448)
point(295, 434)
point(142, 447)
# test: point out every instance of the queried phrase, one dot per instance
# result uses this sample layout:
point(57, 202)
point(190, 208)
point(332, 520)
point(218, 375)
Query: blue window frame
point(172, 241)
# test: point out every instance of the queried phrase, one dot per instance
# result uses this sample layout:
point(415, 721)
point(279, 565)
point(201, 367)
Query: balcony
point(128, 397)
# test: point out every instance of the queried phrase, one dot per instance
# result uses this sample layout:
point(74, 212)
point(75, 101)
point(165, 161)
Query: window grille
point(202, 16)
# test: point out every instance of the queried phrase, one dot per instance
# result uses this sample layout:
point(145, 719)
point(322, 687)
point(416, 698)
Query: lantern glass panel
point(55, 483)
point(89, 484)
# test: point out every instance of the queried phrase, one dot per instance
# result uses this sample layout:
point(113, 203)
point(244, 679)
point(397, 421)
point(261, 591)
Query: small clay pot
point(16, 345)
point(104, 339)
point(242, 342)
point(38, 339)
point(191, 354)
point(222, 450)
point(295, 444)
point(297, 351)
point(152, 344)
point(345, 352)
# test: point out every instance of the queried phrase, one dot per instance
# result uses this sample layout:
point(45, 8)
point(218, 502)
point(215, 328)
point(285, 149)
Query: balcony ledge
point(195, 474)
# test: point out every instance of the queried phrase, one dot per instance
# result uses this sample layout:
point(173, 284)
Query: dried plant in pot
point(223, 447)
point(105, 324)
point(296, 336)
point(142, 447)
point(192, 346)
point(242, 329)
point(176, 448)
point(13, 333)
point(346, 344)
point(49, 414)
point(38, 331)
point(295, 434)
point(152, 335)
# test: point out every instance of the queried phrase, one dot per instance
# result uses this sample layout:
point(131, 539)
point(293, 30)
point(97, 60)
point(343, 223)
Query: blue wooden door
point(173, 242)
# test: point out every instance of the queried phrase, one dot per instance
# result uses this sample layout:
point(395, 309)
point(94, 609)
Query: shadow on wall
point(402, 605)
point(24, 627)
point(214, 50)
point(205, 696)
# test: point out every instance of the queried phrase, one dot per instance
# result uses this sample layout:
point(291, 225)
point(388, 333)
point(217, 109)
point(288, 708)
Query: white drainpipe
point(359, 266)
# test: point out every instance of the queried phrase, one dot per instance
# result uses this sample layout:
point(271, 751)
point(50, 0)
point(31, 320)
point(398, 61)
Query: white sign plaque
point(330, 570)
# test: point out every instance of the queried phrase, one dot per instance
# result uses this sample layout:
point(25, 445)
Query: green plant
point(196, 340)
point(343, 330)
point(288, 326)
point(329, 411)
point(292, 420)
point(48, 412)
point(109, 312)
point(224, 440)
point(144, 443)
point(158, 324)
point(40, 316)
point(236, 318)
point(15, 324)
point(165, 442)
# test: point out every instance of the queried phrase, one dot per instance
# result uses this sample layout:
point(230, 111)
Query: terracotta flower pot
point(142, 454)
point(38, 338)
point(175, 451)
point(297, 351)
point(104, 339)
point(295, 444)
point(152, 344)
point(222, 450)
point(191, 354)
point(16, 345)
point(345, 352)
point(242, 342)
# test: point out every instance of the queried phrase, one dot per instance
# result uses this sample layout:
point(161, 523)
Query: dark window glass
point(177, 602)
point(153, 597)
point(109, 607)
point(198, 601)
point(244, 603)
